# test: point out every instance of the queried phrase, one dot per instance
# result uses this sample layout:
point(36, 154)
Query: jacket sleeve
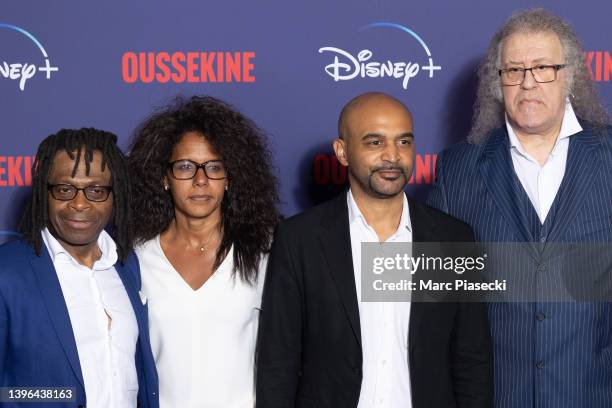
point(280, 330)
point(437, 195)
point(472, 363)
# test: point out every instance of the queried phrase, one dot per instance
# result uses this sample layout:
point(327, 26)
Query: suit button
point(540, 365)
point(541, 268)
point(540, 316)
point(357, 370)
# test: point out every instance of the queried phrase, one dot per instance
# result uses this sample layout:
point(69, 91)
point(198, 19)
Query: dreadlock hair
point(249, 211)
point(79, 144)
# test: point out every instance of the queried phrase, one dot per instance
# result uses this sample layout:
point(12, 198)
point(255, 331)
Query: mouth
point(390, 174)
point(530, 101)
point(78, 223)
point(200, 197)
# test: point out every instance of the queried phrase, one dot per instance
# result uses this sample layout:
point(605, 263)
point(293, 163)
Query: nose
point(80, 202)
point(529, 81)
point(200, 178)
point(391, 153)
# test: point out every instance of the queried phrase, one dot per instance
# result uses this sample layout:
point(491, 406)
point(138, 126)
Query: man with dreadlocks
point(70, 311)
point(537, 169)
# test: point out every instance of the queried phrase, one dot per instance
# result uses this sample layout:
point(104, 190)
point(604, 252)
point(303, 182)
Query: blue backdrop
point(290, 66)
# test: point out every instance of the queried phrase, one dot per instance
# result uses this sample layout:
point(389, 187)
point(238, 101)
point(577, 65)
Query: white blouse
point(203, 340)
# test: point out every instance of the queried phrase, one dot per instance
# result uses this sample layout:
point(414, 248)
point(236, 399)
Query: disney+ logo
point(345, 66)
point(23, 71)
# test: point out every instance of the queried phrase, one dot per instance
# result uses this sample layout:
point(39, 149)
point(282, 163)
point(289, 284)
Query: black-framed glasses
point(187, 169)
point(541, 73)
point(67, 192)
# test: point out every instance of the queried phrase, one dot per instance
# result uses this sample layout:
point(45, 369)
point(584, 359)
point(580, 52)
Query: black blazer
point(309, 346)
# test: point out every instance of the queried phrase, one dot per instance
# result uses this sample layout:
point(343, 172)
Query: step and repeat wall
point(288, 65)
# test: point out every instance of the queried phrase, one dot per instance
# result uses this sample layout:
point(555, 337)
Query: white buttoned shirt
point(384, 325)
point(542, 182)
point(103, 323)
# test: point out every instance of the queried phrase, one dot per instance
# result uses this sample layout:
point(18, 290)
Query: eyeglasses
point(67, 192)
point(541, 73)
point(187, 169)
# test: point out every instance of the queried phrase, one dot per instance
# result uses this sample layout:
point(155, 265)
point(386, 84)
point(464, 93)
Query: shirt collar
point(105, 243)
point(569, 126)
point(355, 214)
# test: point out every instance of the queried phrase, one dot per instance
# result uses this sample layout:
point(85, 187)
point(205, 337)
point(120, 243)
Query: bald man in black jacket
point(310, 348)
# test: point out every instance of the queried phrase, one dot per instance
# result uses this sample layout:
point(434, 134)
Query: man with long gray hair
point(537, 168)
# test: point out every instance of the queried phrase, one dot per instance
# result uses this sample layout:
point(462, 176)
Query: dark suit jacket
point(309, 349)
point(546, 354)
point(37, 346)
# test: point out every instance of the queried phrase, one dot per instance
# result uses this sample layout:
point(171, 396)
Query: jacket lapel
point(51, 291)
point(496, 169)
point(583, 163)
point(128, 276)
point(423, 230)
point(335, 240)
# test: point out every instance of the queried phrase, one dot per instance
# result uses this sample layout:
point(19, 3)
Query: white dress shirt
point(384, 325)
point(541, 183)
point(103, 323)
point(203, 340)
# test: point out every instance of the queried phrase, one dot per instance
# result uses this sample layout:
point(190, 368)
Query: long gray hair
point(489, 106)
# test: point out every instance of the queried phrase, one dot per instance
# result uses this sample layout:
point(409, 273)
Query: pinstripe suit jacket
point(546, 355)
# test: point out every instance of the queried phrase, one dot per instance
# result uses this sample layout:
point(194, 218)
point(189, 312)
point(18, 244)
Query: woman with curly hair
point(204, 212)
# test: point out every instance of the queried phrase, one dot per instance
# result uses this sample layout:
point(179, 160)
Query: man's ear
point(340, 150)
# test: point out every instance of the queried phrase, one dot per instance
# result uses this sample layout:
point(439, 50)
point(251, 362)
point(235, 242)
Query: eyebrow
point(369, 136)
point(537, 60)
point(84, 183)
point(195, 161)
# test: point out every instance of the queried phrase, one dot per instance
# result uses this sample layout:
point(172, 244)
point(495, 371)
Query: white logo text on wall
point(346, 66)
point(22, 71)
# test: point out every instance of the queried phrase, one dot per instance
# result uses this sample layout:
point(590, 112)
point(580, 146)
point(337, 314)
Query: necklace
point(208, 241)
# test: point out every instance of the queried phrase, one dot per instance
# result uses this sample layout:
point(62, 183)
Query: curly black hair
point(249, 209)
point(79, 145)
